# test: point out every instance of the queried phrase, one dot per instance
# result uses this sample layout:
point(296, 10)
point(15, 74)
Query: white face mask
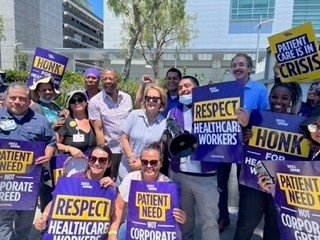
point(44, 100)
point(185, 99)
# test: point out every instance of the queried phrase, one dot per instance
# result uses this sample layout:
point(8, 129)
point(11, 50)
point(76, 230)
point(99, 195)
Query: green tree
point(133, 12)
point(153, 25)
point(169, 25)
point(2, 37)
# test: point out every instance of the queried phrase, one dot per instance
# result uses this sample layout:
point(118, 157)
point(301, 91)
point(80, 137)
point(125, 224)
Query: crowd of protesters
point(102, 120)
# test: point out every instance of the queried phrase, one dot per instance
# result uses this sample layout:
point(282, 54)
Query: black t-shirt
point(68, 130)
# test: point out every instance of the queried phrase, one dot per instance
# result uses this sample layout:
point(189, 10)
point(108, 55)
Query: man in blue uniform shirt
point(23, 124)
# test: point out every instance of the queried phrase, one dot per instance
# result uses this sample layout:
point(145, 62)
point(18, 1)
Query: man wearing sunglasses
point(107, 111)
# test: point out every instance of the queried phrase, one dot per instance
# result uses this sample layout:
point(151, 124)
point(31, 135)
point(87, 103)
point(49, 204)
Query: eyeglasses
point(152, 99)
point(313, 128)
point(101, 160)
point(153, 163)
point(76, 100)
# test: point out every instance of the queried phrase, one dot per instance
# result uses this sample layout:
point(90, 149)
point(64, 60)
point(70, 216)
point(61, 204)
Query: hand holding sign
point(179, 215)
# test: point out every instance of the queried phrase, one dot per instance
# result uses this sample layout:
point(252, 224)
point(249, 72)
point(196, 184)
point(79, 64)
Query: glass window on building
point(245, 14)
point(306, 11)
point(251, 10)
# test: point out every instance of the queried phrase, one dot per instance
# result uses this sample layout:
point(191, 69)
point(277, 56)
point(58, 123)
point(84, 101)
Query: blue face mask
point(44, 100)
point(185, 99)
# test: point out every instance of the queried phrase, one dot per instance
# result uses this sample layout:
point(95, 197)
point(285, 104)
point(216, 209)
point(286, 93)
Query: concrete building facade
point(48, 24)
point(225, 27)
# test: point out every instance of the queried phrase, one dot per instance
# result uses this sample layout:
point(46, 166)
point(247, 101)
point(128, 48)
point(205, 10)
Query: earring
point(289, 108)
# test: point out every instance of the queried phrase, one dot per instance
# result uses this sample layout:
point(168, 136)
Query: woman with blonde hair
point(142, 127)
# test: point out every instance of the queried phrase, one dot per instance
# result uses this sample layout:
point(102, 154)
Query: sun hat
point(71, 94)
point(35, 84)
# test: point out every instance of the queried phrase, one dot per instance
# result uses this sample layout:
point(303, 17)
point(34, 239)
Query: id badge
point(8, 125)
point(78, 137)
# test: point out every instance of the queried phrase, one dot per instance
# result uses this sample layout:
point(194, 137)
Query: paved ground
point(233, 209)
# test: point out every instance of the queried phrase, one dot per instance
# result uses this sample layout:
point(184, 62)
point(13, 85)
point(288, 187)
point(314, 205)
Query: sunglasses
point(152, 99)
point(77, 100)
point(101, 160)
point(313, 128)
point(153, 163)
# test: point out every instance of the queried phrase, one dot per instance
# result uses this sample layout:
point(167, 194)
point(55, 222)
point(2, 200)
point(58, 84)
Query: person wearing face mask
point(107, 111)
point(197, 178)
point(43, 93)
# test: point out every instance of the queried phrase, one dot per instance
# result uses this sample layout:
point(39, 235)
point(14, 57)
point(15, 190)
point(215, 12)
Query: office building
point(225, 27)
point(48, 24)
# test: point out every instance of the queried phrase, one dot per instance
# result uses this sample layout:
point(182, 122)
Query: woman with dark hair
point(313, 99)
point(43, 93)
point(98, 169)
point(284, 98)
point(311, 129)
point(151, 162)
point(76, 136)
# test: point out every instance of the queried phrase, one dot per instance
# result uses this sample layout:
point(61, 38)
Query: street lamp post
point(226, 72)
point(17, 54)
point(258, 38)
point(176, 55)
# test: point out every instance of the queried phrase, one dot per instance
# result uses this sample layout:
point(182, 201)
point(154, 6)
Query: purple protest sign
point(297, 198)
point(215, 122)
point(46, 64)
point(19, 176)
point(80, 209)
point(275, 137)
point(57, 165)
point(150, 211)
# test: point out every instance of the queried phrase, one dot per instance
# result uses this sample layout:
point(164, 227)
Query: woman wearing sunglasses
point(151, 162)
point(76, 136)
point(141, 128)
point(98, 169)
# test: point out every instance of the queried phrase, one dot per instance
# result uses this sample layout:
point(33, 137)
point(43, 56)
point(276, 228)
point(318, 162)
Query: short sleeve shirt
point(124, 187)
point(112, 115)
point(32, 127)
point(68, 131)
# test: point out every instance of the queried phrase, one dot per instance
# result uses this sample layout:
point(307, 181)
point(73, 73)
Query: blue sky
point(97, 7)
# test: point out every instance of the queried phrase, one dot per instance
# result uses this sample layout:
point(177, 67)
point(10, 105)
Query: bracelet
point(67, 149)
point(112, 233)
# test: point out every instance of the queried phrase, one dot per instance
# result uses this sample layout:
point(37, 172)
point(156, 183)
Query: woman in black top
point(76, 136)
